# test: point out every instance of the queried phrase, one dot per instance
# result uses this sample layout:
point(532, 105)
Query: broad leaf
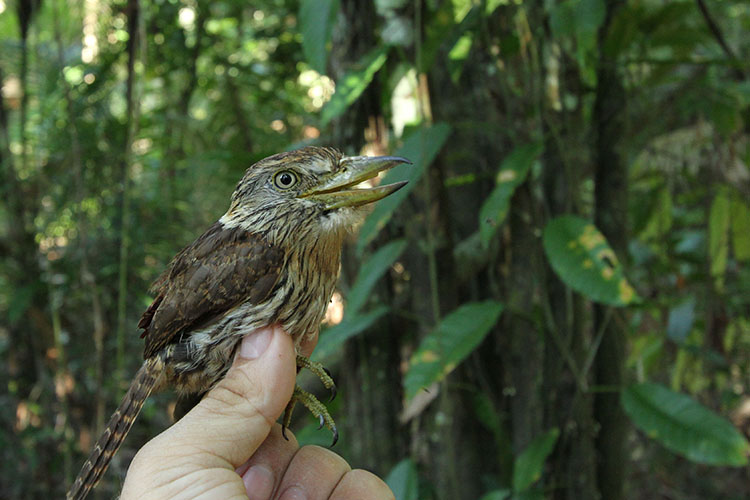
point(350, 86)
point(497, 495)
point(332, 338)
point(421, 147)
point(740, 212)
point(19, 302)
point(660, 220)
point(316, 20)
point(511, 174)
point(684, 426)
point(681, 321)
point(718, 236)
point(370, 272)
point(403, 480)
point(457, 335)
point(582, 259)
point(528, 467)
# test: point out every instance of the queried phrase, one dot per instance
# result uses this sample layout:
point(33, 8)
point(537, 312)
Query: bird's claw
point(312, 403)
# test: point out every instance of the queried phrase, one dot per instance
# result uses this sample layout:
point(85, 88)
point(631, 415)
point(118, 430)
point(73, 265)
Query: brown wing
point(221, 269)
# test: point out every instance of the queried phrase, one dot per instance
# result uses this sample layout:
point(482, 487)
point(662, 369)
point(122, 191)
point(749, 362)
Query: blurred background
point(557, 306)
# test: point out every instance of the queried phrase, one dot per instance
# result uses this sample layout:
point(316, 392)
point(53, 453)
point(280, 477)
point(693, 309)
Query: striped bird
point(273, 257)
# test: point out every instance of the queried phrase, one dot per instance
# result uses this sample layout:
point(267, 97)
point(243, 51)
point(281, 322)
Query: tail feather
point(117, 428)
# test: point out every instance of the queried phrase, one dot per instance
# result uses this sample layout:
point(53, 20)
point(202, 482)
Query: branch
point(719, 36)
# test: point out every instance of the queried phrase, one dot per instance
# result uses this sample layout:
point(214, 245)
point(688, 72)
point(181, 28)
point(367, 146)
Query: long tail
point(117, 428)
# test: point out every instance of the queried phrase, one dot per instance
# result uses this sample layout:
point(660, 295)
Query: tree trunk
point(611, 218)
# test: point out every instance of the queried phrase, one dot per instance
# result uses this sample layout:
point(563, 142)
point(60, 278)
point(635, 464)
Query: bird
point(272, 258)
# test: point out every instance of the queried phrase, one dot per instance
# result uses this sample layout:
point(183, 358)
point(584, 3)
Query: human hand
point(229, 446)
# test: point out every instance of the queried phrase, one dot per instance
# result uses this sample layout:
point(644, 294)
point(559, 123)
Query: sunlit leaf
point(681, 321)
point(350, 86)
point(316, 20)
point(740, 218)
point(684, 426)
point(511, 174)
point(334, 337)
point(403, 480)
point(528, 467)
point(370, 272)
point(584, 261)
point(718, 236)
point(457, 335)
point(458, 55)
point(421, 147)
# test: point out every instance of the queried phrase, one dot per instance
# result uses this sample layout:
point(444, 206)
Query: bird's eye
point(285, 179)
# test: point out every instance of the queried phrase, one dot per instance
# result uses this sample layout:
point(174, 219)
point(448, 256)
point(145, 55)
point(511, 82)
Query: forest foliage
point(557, 305)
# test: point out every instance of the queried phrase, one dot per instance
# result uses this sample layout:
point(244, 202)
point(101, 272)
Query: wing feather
point(221, 269)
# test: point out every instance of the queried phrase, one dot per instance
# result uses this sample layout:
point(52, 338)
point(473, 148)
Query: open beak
point(336, 190)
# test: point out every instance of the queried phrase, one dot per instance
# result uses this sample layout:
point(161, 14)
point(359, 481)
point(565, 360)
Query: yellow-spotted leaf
point(459, 333)
point(583, 260)
point(684, 426)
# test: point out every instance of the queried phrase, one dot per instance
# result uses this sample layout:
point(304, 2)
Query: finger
point(362, 485)
point(312, 474)
point(234, 418)
point(262, 473)
point(307, 346)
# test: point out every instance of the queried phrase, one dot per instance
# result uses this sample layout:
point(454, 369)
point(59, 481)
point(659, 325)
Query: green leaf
point(584, 261)
point(740, 219)
point(421, 147)
point(497, 495)
point(316, 20)
point(457, 335)
point(511, 174)
point(311, 435)
point(19, 302)
point(718, 236)
point(458, 54)
point(370, 272)
point(660, 220)
point(529, 465)
point(334, 337)
point(403, 480)
point(589, 15)
point(350, 86)
point(681, 320)
point(684, 426)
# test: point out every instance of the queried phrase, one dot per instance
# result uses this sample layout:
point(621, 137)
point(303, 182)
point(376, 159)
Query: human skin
point(230, 447)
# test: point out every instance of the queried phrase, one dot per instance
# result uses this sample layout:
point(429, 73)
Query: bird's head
point(310, 190)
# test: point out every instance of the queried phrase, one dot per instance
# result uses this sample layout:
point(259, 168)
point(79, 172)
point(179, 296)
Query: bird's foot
point(319, 371)
point(312, 403)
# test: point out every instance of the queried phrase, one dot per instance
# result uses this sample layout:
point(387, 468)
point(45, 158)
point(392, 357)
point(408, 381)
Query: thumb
point(235, 417)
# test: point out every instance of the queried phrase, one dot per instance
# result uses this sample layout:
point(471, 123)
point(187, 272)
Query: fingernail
point(259, 482)
point(293, 493)
point(256, 343)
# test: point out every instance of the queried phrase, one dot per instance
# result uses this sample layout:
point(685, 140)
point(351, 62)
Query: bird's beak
point(336, 190)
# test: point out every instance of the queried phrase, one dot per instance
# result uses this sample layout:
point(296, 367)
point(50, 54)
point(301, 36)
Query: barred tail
point(117, 428)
